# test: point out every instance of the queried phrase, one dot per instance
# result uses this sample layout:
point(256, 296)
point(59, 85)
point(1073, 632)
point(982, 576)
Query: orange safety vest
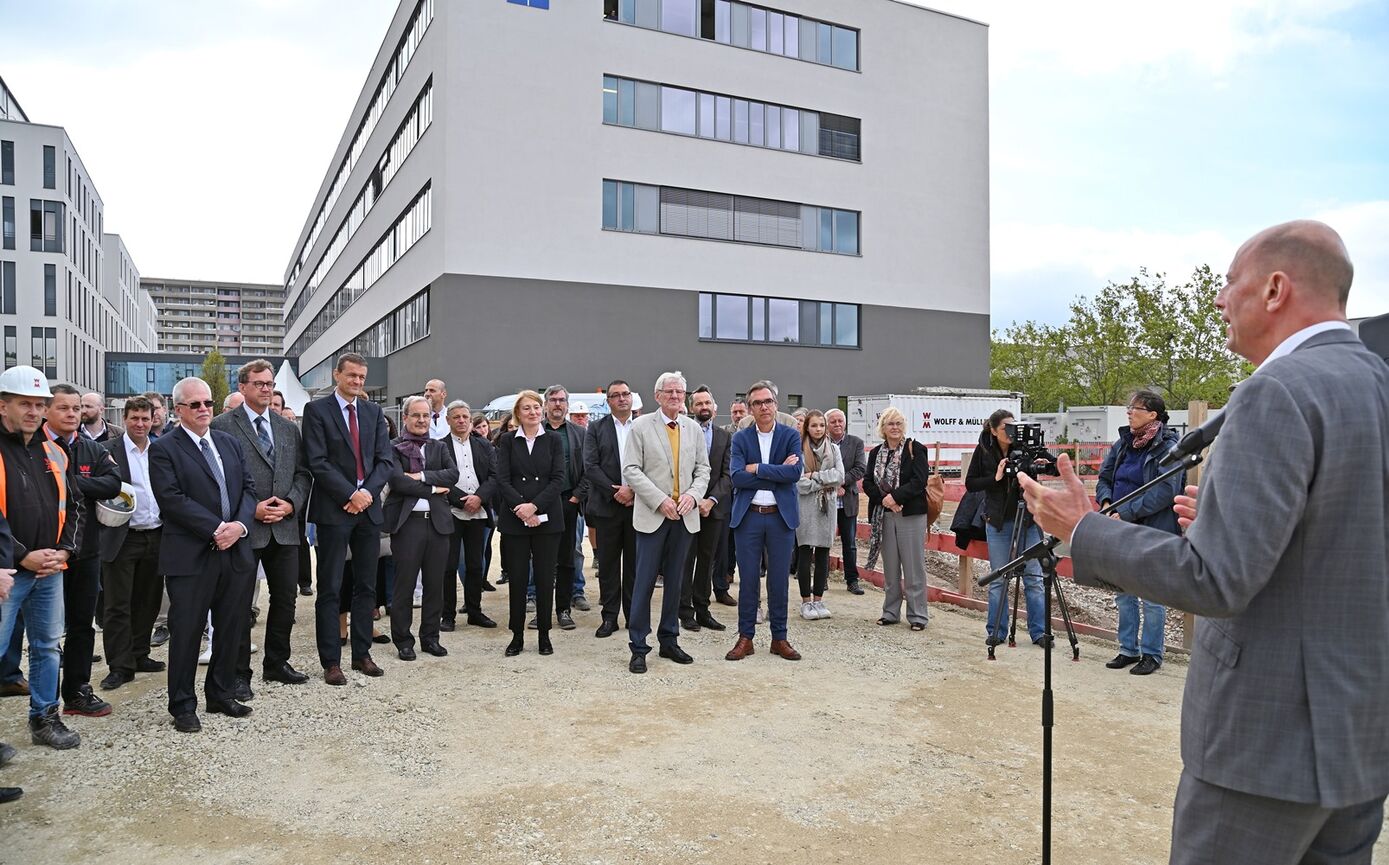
point(57, 463)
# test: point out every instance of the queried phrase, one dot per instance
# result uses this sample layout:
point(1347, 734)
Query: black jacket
point(31, 505)
point(1000, 497)
point(910, 492)
point(439, 471)
point(98, 478)
point(536, 477)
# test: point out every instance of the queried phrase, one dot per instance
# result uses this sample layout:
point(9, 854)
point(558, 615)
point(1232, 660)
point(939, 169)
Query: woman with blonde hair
point(822, 473)
point(896, 488)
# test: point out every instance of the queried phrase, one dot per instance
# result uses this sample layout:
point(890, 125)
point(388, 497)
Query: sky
point(1123, 136)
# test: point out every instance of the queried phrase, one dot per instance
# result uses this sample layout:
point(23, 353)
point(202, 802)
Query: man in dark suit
point(572, 439)
point(1285, 721)
point(610, 507)
point(714, 509)
point(855, 463)
point(468, 497)
point(207, 501)
point(132, 583)
point(349, 456)
point(766, 464)
point(275, 455)
point(418, 518)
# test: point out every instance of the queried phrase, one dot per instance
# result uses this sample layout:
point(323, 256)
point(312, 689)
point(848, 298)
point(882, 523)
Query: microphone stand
point(1044, 552)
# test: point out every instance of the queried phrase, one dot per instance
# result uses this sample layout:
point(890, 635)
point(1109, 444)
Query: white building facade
point(600, 190)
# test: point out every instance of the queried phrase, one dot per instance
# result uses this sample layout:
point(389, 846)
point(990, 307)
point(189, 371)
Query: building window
point(46, 226)
point(534, 4)
point(7, 288)
point(7, 214)
point(743, 25)
point(11, 346)
point(724, 118)
point(50, 289)
point(7, 163)
point(50, 167)
point(630, 207)
point(741, 318)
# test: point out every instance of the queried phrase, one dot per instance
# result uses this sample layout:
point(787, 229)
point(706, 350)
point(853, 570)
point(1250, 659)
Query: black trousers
point(81, 581)
point(700, 564)
point(820, 558)
point(133, 593)
point(305, 561)
point(364, 537)
point(848, 542)
point(521, 553)
point(420, 548)
point(225, 590)
point(617, 563)
point(281, 564)
point(564, 564)
point(466, 557)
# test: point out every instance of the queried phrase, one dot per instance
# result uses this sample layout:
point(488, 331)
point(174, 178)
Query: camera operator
point(1131, 463)
point(993, 470)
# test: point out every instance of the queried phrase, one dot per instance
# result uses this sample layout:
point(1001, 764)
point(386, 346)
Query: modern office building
point(530, 192)
point(69, 292)
point(135, 373)
point(232, 317)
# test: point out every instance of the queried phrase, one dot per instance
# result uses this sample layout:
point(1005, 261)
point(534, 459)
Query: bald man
point(1285, 722)
point(437, 393)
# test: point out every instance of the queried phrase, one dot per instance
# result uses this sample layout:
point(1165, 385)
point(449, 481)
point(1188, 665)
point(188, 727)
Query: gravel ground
point(883, 745)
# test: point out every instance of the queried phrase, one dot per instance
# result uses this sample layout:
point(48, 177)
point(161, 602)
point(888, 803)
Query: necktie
point(674, 435)
point(265, 443)
point(356, 441)
point(221, 481)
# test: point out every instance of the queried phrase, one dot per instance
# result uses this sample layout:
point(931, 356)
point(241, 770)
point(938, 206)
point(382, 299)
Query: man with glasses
point(275, 456)
point(207, 501)
point(609, 508)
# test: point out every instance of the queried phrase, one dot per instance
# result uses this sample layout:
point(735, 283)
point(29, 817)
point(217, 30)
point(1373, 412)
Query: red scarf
point(1142, 437)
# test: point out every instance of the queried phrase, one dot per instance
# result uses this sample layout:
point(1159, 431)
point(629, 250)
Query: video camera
point(1027, 448)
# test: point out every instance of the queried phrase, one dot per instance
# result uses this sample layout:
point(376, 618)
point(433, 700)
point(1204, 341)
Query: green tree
point(1181, 343)
point(1027, 358)
point(215, 374)
point(1098, 349)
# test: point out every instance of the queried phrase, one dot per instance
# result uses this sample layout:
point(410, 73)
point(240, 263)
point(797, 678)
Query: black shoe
point(637, 664)
point(87, 704)
point(285, 674)
point(995, 641)
point(503, 580)
point(49, 729)
point(306, 591)
point(432, 647)
point(607, 629)
point(676, 654)
point(381, 639)
point(115, 679)
point(1046, 641)
point(1121, 661)
point(242, 692)
point(1147, 666)
point(188, 723)
point(406, 653)
point(515, 647)
point(96, 659)
point(342, 641)
point(855, 588)
point(159, 637)
point(9, 794)
point(447, 625)
point(545, 647)
point(566, 620)
point(7, 753)
point(480, 620)
point(230, 708)
point(707, 621)
point(689, 625)
point(145, 665)
point(488, 587)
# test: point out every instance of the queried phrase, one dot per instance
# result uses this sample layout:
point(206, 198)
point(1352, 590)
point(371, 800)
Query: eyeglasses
point(263, 385)
point(626, 394)
point(759, 403)
point(673, 392)
point(195, 405)
point(1133, 408)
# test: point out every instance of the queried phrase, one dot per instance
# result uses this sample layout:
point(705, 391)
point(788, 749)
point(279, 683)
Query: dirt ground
point(882, 745)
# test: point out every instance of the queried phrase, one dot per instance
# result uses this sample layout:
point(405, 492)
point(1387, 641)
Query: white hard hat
point(117, 510)
point(24, 381)
point(578, 408)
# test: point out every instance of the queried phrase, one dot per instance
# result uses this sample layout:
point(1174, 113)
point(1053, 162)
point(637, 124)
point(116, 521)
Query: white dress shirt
point(623, 430)
point(146, 514)
point(439, 424)
point(254, 417)
point(468, 482)
point(765, 498)
point(1287, 346)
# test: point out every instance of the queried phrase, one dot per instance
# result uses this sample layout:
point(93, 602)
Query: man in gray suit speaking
point(1285, 721)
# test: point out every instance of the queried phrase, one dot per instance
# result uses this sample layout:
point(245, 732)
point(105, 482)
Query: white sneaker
point(206, 657)
point(821, 610)
point(254, 648)
point(808, 611)
point(417, 601)
point(530, 606)
point(761, 615)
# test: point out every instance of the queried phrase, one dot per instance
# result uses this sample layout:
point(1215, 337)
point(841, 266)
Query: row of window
point(743, 25)
point(419, 118)
point(647, 209)
point(412, 224)
point(7, 230)
point(743, 318)
point(395, 71)
point(406, 324)
point(643, 105)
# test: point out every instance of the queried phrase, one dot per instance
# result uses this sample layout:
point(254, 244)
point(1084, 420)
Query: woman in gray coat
point(822, 473)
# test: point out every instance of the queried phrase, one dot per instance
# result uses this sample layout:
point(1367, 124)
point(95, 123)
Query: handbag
point(935, 489)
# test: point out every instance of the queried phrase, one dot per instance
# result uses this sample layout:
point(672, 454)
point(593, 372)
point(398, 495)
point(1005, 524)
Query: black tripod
point(1022, 521)
point(1044, 552)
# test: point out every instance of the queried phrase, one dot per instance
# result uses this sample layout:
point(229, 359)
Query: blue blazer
point(328, 452)
point(190, 507)
point(780, 479)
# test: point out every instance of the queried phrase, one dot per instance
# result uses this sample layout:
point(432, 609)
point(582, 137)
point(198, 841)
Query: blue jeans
point(581, 535)
point(41, 601)
point(756, 533)
point(1154, 620)
point(1000, 553)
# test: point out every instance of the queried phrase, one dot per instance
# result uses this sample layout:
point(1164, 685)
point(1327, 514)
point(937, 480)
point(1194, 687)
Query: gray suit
point(1287, 697)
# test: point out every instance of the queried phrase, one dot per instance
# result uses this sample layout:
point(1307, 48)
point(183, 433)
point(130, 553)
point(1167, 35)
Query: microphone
point(1195, 441)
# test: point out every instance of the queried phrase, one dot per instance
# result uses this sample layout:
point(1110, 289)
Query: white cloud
point(1364, 227)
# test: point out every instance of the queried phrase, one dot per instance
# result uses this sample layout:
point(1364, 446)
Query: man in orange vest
point(38, 498)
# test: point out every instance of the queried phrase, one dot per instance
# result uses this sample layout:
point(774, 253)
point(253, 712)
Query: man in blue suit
point(349, 455)
point(207, 502)
point(766, 463)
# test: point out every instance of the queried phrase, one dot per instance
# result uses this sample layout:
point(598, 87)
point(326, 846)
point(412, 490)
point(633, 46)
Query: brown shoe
point(740, 650)
point(726, 599)
point(368, 666)
point(783, 648)
point(333, 676)
point(17, 688)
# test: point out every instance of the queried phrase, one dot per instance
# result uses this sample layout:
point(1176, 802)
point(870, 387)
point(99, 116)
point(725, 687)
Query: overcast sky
point(1123, 135)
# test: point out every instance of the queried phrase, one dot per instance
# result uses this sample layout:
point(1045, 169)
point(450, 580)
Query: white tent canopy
point(287, 383)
